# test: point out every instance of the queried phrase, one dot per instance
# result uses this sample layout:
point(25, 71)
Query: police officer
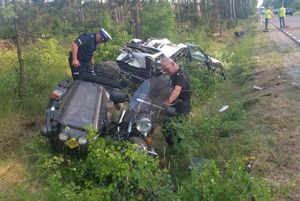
point(180, 95)
point(281, 14)
point(179, 81)
point(83, 48)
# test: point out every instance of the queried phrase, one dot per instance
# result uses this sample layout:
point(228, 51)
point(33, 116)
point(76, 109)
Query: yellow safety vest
point(282, 12)
point(268, 13)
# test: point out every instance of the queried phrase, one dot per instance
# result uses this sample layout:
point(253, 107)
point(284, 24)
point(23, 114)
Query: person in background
point(82, 50)
point(281, 14)
point(268, 15)
point(180, 95)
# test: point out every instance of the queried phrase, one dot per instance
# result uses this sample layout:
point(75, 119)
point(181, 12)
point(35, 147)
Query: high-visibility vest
point(268, 13)
point(282, 12)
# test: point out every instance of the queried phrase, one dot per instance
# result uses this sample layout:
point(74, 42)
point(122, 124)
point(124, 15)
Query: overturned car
point(140, 60)
point(75, 106)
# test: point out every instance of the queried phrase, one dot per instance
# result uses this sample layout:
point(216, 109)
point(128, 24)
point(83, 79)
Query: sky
point(259, 3)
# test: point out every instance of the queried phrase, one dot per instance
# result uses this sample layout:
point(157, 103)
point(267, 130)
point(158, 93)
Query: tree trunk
point(114, 13)
point(137, 19)
point(21, 83)
point(80, 14)
point(178, 10)
point(230, 10)
point(197, 7)
point(233, 10)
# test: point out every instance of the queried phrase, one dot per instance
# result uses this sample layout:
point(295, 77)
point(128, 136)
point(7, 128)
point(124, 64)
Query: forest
point(35, 38)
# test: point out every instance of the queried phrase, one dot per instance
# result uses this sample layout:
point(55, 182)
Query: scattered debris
point(238, 34)
point(277, 83)
point(257, 87)
point(267, 94)
point(225, 107)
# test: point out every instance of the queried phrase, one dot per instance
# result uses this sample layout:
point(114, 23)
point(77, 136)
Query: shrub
point(227, 181)
point(111, 171)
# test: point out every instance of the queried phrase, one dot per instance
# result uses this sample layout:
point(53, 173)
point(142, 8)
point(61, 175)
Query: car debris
point(257, 87)
point(224, 108)
point(140, 59)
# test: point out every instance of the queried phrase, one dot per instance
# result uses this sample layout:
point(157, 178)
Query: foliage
point(111, 171)
point(238, 59)
point(45, 62)
point(158, 20)
point(112, 49)
point(204, 83)
point(9, 80)
point(278, 3)
point(228, 181)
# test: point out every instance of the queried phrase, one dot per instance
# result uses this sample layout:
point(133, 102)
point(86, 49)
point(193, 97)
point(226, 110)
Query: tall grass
point(45, 63)
point(219, 137)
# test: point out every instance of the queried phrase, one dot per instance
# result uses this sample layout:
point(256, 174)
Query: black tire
point(108, 69)
point(101, 80)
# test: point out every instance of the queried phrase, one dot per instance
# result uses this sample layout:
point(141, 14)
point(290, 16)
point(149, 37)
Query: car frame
point(140, 59)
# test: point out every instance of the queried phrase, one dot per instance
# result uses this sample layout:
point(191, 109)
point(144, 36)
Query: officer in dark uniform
point(179, 81)
point(180, 95)
point(83, 48)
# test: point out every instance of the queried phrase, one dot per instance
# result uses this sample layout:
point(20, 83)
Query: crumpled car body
point(140, 59)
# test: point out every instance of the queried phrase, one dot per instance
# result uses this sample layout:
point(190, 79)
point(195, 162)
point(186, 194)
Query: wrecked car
point(76, 106)
point(140, 60)
point(72, 107)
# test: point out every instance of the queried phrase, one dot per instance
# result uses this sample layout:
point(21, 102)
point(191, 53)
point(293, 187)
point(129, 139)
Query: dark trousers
point(74, 70)
point(267, 23)
point(282, 22)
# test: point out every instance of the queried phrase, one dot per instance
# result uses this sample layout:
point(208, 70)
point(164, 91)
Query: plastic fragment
point(225, 107)
point(257, 87)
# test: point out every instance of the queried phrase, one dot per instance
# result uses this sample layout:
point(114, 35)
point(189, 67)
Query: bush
point(9, 82)
point(45, 62)
point(228, 181)
point(111, 171)
point(158, 20)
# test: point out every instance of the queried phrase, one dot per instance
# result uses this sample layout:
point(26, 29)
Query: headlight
point(63, 136)
point(144, 125)
point(82, 140)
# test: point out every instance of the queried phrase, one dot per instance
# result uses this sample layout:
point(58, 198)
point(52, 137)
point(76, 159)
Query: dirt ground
point(276, 116)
